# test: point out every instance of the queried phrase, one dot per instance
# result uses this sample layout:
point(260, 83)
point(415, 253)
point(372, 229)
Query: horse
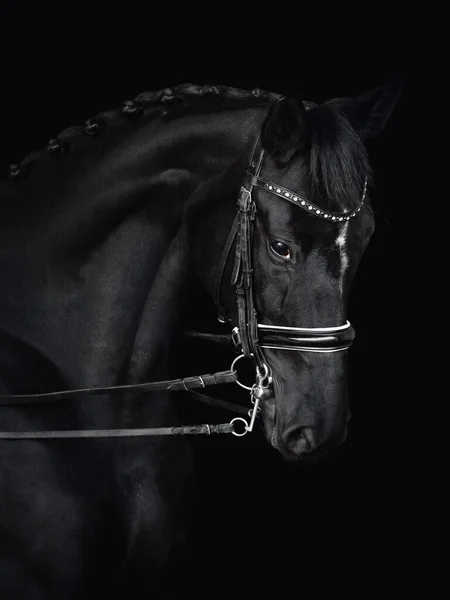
point(261, 198)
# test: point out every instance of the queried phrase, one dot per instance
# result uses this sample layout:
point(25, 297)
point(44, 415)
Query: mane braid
point(339, 163)
point(167, 102)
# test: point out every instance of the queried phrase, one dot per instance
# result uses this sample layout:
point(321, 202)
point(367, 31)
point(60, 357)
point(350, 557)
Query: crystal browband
point(308, 206)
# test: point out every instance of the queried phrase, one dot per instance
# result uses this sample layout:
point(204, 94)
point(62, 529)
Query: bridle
point(249, 337)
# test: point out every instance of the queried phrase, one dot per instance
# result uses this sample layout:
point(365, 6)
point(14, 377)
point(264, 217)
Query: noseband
point(248, 335)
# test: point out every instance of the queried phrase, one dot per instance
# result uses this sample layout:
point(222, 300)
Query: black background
point(259, 521)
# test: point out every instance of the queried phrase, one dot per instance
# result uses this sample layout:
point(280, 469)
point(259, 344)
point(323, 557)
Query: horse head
point(283, 274)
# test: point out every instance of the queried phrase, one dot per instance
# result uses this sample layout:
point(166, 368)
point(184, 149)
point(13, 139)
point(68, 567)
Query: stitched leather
point(339, 340)
point(115, 433)
point(187, 383)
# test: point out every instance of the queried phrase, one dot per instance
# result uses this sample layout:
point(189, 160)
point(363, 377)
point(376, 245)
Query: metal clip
point(254, 413)
point(263, 380)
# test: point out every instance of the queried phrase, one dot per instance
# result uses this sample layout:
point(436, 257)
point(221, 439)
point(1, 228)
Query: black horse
point(264, 200)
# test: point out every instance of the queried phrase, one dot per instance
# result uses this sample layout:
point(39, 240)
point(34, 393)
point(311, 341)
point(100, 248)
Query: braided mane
point(167, 102)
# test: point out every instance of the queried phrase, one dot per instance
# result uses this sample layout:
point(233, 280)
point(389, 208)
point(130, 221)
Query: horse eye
point(280, 249)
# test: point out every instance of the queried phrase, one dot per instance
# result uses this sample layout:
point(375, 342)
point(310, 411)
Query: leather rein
point(248, 337)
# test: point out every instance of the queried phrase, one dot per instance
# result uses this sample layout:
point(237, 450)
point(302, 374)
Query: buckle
point(236, 337)
point(245, 199)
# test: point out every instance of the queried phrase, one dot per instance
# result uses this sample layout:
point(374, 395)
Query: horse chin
point(268, 414)
point(271, 435)
point(268, 421)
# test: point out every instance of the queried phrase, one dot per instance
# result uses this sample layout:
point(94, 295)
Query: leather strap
point(241, 234)
point(220, 338)
point(223, 404)
point(329, 339)
point(117, 433)
point(289, 338)
point(173, 385)
point(222, 317)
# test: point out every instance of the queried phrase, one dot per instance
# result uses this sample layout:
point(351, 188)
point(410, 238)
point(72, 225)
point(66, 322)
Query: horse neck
point(203, 151)
point(101, 257)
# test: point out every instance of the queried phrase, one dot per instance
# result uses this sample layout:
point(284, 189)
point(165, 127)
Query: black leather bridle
point(248, 336)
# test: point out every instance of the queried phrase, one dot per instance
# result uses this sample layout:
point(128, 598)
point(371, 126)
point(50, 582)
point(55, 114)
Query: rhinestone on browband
point(308, 206)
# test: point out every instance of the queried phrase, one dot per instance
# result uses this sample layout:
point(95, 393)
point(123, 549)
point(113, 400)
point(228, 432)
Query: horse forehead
point(293, 176)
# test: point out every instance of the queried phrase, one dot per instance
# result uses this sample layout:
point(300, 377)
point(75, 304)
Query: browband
point(254, 179)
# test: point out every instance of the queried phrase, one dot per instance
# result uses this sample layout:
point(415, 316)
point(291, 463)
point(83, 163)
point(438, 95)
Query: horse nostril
point(300, 440)
point(307, 434)
point(309, 443)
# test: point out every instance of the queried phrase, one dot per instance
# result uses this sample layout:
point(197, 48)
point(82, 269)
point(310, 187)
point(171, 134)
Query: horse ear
point(369, 113)
point(284, 129)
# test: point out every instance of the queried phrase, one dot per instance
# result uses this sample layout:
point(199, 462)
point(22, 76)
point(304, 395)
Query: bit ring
point(243, 421)
point(244, 387)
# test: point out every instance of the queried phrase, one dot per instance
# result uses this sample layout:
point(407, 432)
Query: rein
point(174, 385)
point(183, 384)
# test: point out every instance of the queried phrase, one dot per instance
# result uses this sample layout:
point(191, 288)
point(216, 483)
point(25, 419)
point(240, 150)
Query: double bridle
point(248, 336)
